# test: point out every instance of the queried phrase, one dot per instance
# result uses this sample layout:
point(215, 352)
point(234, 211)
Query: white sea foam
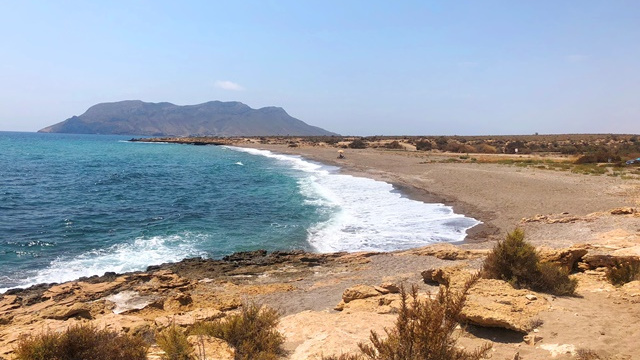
point(369, 215)
point(120, 258)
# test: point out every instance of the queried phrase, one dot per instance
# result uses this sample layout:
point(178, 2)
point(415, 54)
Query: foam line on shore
point(367, 214)
point(119, 258)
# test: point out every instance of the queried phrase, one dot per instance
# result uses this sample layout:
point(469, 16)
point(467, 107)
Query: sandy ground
point(498, 195)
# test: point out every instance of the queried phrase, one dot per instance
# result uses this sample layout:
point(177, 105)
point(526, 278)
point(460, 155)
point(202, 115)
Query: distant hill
point(215, 118)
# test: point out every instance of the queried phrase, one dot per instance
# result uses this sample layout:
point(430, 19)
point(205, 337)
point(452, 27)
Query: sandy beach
point(498, 195)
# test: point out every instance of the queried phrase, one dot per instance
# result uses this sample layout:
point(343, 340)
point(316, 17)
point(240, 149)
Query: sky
point(353, 67)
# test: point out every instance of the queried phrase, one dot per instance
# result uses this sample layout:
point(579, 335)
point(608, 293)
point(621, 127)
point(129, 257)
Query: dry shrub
point(358, 144)
point(175, 345)
point(516, 261)
point(344, 357)
point(624, 272)
point(394, 145)
point(423, 145)
point(252, 332)
point(486, 149)
point(555, 280)
point(81, 342)
point(587, 354)
point(423, 330)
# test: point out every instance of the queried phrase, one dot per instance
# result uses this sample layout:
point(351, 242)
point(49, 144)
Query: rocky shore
point(330, 302)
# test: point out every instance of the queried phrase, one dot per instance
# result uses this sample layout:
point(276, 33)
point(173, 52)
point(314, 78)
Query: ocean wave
point(119, 258)
point(366, 214)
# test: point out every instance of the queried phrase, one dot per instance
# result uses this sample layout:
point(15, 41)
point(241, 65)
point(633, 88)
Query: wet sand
point(498, 195)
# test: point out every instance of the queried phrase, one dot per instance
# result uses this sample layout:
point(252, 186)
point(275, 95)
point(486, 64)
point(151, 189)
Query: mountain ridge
point(212, 118)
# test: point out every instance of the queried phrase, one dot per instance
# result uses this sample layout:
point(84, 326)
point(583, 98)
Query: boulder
point(566, 258)
point(592, 261)
point(390, 287)
point(494, 303)
point(359, 292)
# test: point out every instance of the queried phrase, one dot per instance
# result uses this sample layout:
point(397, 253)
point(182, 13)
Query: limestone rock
point(447, 252)
point(313, 334)
point(128, 300)
point(494, 303)
point(622, 211)
point(532, 339)
point(64, 312)
point(381, 290)
point(359, 292)
point(211, 348)
point(121, 323)
point(592, 261)
point(391, 287)
point(567, 258)
point(189, 318)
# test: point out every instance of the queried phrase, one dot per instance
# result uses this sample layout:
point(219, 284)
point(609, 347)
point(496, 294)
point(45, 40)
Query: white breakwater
point(369, 215)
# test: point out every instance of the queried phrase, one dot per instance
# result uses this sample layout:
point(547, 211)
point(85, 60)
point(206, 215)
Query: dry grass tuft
point(252, 332)
point(81, 342)
point(624, 272)
point(174, 343)
point(424, 330)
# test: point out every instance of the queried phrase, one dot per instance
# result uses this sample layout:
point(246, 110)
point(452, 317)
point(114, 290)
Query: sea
point(82, 205)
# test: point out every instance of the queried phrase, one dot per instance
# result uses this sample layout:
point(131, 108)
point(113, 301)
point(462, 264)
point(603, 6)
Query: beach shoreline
point(500, 196)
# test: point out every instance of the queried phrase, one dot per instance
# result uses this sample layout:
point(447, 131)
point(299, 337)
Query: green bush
point(252, 332)
point(516, 261)
point(423, 330)
point(81, 342)
point(555, 280)
point(175, 345)
point(623, 272)
point(513, 260)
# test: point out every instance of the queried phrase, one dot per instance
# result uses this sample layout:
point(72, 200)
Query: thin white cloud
point(228, 85)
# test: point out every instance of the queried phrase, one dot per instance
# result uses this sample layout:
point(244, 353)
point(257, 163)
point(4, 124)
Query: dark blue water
point(79, 205)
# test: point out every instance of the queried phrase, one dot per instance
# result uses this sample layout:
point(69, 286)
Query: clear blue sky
point(353, 67)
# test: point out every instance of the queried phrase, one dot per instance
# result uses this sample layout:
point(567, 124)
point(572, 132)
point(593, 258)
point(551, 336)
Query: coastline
point(411, 190)
point(570, 218)
point(500, 196)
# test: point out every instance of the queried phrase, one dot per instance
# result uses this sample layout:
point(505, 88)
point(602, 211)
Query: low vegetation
point(175, 345)
point(516, 261)
point(81, 342)
point(423, 330)
point(252, 332)
point(624, 272)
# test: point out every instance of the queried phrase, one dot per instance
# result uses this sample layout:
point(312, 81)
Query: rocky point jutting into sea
point(330, 302)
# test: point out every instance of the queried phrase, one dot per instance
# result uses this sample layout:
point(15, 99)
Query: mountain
point(215, 118)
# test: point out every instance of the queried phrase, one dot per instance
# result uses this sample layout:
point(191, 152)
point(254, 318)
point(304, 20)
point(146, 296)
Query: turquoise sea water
point(81, 205)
